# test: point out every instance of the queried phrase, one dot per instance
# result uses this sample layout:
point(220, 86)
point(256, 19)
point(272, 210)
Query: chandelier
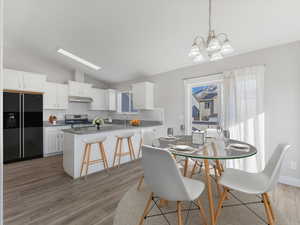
point(215, 47)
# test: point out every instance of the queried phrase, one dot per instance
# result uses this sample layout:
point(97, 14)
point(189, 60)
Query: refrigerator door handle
point(20, 126)
point(23, 99)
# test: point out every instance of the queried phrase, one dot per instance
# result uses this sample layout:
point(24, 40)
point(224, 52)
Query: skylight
point(78, 59)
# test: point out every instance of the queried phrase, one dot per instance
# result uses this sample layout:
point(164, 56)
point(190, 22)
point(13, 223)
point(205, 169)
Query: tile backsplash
point(83, 108)
point(74, 108)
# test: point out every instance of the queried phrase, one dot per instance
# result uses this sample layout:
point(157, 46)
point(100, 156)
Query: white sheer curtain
point(243, 112)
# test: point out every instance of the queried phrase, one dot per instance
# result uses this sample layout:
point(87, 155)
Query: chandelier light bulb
point(194, 51)
point(227, 48)
point(199, 58)
point(214, 45)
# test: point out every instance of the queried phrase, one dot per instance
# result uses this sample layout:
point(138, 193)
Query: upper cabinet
point(24, 81)
point(79, 89)
point(111, 99)
point(55, 96)
point(143, 95)
point(99, 99)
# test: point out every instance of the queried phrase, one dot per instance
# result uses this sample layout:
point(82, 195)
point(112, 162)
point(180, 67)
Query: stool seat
point(125, 135)
point(94, 140)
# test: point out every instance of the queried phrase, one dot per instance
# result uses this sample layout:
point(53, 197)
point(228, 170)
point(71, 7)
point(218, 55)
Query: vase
point(98, 126)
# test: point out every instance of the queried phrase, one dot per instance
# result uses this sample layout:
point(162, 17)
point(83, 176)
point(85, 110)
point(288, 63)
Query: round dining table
point(214, 150)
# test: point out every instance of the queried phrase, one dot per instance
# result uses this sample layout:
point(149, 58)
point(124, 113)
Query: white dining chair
point(147, 138)
point(255, 183)
point(166, 182)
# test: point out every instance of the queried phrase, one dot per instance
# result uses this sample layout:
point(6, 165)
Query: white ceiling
point(131, 38)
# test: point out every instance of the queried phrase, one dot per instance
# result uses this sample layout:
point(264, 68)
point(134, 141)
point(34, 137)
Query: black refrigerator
point(22, 126)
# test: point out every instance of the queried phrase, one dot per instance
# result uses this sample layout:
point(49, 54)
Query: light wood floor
point(39, 192)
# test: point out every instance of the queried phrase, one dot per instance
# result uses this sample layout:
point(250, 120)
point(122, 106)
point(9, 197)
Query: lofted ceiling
point(135, 38)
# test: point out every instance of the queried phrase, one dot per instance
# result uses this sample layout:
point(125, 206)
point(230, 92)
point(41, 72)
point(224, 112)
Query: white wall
point(282, 96)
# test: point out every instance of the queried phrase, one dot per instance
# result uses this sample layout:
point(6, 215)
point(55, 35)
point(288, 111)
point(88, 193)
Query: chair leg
point(146, 209)
point(179, 213)
point(131, 147)
point(120, 152)
point(116, 151)
point(140, 183)
point(83, 159)
point(202, 211)
point(194, 169)
point(88, 160)
point(267, 209)
point(104, 155)
point(217, 181)
point(270, 206)
point(222, 198)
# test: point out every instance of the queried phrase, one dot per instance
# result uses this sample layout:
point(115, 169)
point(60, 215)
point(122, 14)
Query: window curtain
point(243, 113)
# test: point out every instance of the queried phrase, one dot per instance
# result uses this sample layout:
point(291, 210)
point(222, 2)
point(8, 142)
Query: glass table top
point(214, 148)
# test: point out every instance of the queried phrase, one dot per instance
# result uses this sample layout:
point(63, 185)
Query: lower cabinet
point(54, 140)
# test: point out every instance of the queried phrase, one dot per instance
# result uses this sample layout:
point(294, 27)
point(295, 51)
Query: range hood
point(80, 99)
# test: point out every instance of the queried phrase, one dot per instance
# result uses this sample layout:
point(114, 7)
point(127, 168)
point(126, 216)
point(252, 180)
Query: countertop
point(110, 127)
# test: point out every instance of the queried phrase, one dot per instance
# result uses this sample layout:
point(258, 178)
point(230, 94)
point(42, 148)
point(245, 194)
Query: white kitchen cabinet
point(24, 81)
point(143, 95)
point(55, 96)
point(33, 82)
point(54, 140)
point(99, 99)
point(79, 89)
point(111, 101)
point(12, 80)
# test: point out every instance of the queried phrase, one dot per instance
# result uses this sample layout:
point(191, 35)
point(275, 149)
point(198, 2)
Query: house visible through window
point(126, 104)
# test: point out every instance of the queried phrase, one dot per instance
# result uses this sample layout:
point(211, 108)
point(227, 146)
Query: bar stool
point(119, 146)
point(86, 160)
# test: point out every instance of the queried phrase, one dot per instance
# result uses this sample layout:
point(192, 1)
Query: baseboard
point(289, 181)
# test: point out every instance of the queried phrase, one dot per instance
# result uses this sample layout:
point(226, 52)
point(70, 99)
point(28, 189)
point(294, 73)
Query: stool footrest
point(93, 161)
point(123, 154)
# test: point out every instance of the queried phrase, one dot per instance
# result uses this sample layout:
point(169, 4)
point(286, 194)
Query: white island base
point(74, 147)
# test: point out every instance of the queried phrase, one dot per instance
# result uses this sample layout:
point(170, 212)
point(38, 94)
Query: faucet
point(125, 119)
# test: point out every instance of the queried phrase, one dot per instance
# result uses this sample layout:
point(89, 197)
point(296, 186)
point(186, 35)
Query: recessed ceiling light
point(78, 59)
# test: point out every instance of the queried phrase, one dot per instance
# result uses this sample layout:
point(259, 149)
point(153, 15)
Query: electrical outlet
point(293, 165)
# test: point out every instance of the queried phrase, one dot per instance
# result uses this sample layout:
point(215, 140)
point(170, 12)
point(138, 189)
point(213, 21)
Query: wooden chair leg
point(202, 212)
point(146, 209)
point(140, 183)
point(194, 169)
point(104, 154)
point(270, 206)
point(83, 159)
point(120, 152)
point(131, 147)
point(179, 213)
point(217, 181)
point(222, 198)
point(88, 160)
point(186, 166)
point(267, 209)
point(116, 151)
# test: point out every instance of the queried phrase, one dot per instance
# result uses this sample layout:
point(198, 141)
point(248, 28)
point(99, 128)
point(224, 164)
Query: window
point(125, 104)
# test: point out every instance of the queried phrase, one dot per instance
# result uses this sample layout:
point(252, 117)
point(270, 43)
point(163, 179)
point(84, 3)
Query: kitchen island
point(73, 146)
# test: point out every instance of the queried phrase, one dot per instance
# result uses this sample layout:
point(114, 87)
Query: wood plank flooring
point(38, 192)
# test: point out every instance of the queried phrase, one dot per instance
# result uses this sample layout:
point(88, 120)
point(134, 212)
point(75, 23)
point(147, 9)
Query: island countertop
point(110, 127)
